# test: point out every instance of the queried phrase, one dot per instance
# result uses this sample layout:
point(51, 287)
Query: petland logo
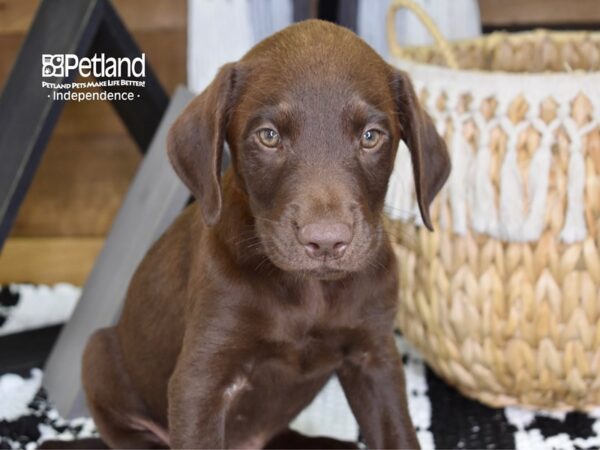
point(116, 77)
point(99, 66)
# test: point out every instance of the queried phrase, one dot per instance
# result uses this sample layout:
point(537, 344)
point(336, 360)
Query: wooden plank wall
point(507, 13)
point(90, 159)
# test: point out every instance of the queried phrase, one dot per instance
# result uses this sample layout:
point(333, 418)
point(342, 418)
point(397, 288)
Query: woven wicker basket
point(503, 300)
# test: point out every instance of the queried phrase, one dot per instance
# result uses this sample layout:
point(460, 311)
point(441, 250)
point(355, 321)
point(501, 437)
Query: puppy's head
point(313, 117)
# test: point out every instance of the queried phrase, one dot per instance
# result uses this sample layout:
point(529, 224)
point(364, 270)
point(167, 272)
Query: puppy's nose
point(325, 240)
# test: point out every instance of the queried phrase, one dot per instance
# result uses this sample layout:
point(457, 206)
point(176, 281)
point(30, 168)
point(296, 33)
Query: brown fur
point(230, 328)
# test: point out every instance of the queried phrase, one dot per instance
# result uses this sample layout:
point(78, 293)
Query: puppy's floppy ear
point(430, 160)
point(196, 139)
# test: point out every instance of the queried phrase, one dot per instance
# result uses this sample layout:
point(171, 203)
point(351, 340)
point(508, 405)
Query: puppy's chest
point(281, 365)
point(316, 306)
point(279, 380)
point(312, 339)
point(305, 344)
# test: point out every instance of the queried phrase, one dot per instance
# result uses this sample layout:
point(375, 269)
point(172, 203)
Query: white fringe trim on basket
point(513, 216)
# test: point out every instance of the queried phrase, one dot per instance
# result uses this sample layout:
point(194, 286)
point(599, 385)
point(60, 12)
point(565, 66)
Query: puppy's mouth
point(288, 255)
point(296, 262)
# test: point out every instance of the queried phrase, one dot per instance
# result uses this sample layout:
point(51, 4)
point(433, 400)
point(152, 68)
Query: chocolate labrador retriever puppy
point(281, 274)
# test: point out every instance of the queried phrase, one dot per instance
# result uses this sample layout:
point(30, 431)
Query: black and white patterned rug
point(444, 418)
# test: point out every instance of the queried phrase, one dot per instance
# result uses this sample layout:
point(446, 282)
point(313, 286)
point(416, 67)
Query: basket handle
point(392, 38)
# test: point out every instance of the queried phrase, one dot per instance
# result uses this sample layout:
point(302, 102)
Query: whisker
point(267, 220)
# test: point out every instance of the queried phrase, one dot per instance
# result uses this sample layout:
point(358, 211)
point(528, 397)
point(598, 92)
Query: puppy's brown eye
point(370, 139)
point(269, 137)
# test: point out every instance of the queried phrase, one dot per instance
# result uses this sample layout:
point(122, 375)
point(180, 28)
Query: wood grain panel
point(155, 15)
point(48, 260)
point(166, 51)
point(17, 15)
point(9, 49)
point(514, 12)
point(89, 119)
point(78, 187)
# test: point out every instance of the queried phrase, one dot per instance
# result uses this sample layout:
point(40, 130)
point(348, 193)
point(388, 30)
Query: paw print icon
point(53, 65)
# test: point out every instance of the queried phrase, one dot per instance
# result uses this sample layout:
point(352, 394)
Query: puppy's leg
point(119, 414)
point(198, 401)
point(376, 391)
point(290, 439)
